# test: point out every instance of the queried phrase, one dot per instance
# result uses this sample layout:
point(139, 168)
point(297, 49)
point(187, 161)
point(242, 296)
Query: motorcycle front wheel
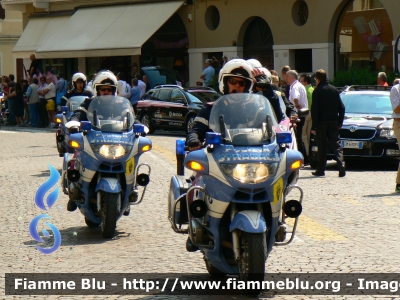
point(109, 215)
point(253, 248)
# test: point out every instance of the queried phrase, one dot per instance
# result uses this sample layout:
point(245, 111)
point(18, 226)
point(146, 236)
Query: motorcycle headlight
point(111, 151)
point(387, 133)
point(250, 173)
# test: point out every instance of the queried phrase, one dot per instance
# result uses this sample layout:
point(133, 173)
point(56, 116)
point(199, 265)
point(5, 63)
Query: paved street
point(348, 224)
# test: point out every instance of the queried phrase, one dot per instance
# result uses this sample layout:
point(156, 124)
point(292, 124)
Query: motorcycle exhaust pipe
point(198, 208)
point(73, 175)
point(143, 179)
point(292, 208)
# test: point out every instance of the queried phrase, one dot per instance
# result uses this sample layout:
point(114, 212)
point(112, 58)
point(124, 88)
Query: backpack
point(124, 89)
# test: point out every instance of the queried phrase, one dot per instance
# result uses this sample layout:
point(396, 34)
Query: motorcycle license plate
point(352, 144)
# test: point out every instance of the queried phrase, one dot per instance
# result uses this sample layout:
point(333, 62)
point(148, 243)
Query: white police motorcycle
point(102, 176)
point(234, 206)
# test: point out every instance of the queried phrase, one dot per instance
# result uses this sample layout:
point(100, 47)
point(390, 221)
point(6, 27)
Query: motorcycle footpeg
point(280, 235)
point(190, 247)
point(133, 197)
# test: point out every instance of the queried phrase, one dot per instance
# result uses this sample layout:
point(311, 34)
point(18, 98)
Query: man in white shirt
point(298, 96)
point(123, 88)
point(50, 95)
point(141, 85)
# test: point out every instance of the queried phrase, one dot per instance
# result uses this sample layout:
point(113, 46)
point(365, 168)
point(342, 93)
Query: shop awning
point(36, 33)
point(119, 30)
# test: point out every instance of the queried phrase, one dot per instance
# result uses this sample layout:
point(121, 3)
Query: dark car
point(172, 107)
point(367, 130)
point(161, 75)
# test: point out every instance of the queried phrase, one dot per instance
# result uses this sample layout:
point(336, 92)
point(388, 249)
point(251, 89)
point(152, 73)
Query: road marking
point(315, 230)
point(166, 153)
point(389, 201)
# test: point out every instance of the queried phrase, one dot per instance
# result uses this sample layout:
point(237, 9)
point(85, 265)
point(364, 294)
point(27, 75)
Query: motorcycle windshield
point(243, 119)
point(111, 114)
point(74, 102)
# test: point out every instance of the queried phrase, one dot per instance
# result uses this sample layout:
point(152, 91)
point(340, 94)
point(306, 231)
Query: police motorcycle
point(102, 175)
point(65, 127)
point(234, 206)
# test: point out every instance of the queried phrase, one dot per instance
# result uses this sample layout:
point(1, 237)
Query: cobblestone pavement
point(348, 224)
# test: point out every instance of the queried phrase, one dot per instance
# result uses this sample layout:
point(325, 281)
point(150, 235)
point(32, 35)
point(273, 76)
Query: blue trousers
point(34, 113)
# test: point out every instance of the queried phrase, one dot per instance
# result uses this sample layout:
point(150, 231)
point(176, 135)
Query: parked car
point(172, 107)
point(367, 130)
point(160, 75)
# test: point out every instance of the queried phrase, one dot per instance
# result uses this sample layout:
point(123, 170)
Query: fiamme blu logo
point(50, 200)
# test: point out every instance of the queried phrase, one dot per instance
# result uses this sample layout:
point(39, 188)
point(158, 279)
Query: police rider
point(237, 76)
point(78, 89)
point(105, 84)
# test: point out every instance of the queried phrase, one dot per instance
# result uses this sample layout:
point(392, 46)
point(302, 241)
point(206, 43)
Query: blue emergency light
point(85, 125)
point(180, 147)
point(64, 109)
point(213, 138)
point(283, 137)
point(138, 128)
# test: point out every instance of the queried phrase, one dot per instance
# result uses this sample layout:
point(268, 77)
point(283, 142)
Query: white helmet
point(238, 68)
point(254, 63)
point(267, 73)
point(78, 76)
point(105, 78)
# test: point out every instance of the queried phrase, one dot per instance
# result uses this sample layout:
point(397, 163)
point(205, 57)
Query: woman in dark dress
point(18, 103)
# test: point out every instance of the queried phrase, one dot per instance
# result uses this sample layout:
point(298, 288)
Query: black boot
point(71, 206)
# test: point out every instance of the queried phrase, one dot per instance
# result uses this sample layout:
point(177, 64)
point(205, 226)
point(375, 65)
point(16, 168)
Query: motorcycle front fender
point(251, 221)
point(109, 185)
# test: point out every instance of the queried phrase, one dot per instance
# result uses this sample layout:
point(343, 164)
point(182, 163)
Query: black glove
point(262, 81)
point(194, 143)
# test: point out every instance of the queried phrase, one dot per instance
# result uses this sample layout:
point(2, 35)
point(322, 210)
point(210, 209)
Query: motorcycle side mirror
point(303, 112)
point(64, 109)
point(213, 138)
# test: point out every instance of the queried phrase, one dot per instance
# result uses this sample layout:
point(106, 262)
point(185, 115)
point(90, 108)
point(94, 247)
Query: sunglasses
point(106, 89)
point(235, 81)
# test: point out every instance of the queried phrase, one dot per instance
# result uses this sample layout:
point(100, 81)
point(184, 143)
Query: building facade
point(121, 35)
point(10, 31)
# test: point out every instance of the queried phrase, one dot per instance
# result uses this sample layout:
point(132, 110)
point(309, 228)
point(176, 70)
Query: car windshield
point(204, 97)
point(367, 103)
point(74, 102)
point(193, 98)
point(243, 119)
point(111, 114)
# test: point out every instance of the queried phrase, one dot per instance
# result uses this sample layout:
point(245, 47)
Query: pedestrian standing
point(382, 79)
point(61, 90)
point(285, 85)
point(141, 85)
point(18, 104)
point(33, 102)
point(395, 99)
point(327, 113)
point(135, 94)
point(208, 73)
point(50, 96)
point(305, 80)
point(298, 96)
point(44, 116)
point(10, 99)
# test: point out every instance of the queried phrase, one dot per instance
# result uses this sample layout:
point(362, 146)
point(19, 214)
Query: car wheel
point(145, 120)
point(189, 123)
